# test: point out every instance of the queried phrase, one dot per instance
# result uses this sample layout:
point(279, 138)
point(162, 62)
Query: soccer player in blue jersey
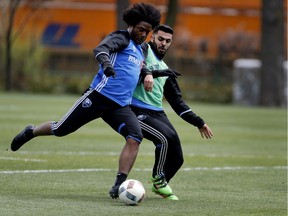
point(108, 97)
point(153, 120)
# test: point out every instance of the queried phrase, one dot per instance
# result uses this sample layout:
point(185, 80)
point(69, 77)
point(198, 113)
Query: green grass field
point(241, 171)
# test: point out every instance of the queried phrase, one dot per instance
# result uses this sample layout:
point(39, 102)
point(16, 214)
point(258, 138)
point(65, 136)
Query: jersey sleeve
point(144, 70)
point(114, 42)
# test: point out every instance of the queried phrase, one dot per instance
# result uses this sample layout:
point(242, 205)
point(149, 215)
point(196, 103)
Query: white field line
point(141, 170)
point(71, 153)
point(23, 159)
point(85, 153)
point(234, 168)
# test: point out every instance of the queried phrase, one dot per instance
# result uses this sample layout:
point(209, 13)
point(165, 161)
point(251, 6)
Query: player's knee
point(179, 158)
point(134, 136)
point(132, 144)
point(181, 161)
point(59, 132)
point(172, 137)
point(134, 140)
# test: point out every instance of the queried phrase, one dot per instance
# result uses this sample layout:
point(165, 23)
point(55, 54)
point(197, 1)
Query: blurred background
point(228, 51)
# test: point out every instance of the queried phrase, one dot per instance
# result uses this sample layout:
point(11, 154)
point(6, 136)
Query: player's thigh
point(124, 122)
point(155, 129)
point(84, 110)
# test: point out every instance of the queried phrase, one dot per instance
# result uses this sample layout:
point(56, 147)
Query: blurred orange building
point(201, 25)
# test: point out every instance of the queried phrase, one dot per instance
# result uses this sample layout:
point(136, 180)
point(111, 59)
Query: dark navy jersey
point(126, 57)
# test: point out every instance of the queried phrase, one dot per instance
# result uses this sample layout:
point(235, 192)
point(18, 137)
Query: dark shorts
point(93, 105)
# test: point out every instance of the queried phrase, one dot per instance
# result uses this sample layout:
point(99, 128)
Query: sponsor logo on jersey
point(134, 60)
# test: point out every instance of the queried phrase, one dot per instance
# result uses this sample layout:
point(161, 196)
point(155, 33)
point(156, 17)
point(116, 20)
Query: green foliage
point(37, 70)
point(29, 73)
point(27, 64)
point(241, 171)
point(201, 89)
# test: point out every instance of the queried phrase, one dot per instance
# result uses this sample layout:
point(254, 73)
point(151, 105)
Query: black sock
point(120, 178)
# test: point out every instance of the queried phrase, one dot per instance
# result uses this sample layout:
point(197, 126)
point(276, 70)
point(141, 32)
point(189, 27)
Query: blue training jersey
point(127, 64)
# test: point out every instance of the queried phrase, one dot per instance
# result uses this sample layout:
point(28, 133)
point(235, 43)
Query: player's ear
point(130, 28)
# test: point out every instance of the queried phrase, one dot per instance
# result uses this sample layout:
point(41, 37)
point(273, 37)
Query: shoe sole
point(168, 197)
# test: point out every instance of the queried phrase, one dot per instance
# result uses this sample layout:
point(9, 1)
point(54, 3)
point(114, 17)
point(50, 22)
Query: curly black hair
point(142, 12)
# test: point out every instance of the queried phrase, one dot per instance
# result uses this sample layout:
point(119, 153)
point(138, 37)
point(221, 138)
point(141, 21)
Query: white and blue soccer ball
point(131, 192)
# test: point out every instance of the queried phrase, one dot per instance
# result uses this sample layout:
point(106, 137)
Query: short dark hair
point(164, 28)
point(142, 12)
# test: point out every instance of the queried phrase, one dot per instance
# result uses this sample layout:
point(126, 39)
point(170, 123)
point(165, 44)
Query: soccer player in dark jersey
point(110, 93)
point(153, 120)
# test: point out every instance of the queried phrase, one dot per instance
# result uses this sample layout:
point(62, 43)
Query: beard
point(156, 50)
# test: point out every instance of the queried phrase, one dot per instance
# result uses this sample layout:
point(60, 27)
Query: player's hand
point(206, 132)
point(148, 82)
point(109, 71)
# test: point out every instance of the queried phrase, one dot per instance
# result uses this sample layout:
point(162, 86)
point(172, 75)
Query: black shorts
point(93, 105)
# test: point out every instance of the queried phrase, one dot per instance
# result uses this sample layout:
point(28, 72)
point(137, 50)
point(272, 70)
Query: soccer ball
point(131, 192)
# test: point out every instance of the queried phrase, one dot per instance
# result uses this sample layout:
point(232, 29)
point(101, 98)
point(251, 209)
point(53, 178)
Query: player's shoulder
point(120, 34)
point(116, 40)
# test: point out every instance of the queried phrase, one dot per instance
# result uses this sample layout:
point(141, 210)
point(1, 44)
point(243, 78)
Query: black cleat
point(23, 137)
point(114, 191)
point(120, 178)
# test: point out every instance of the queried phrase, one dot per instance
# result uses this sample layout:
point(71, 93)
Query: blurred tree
point(7, 17)
point(272, 54)
point(172, 6)
point(121, 5)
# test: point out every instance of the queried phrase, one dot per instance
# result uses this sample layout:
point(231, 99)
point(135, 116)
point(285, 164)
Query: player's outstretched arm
point(206, 132)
